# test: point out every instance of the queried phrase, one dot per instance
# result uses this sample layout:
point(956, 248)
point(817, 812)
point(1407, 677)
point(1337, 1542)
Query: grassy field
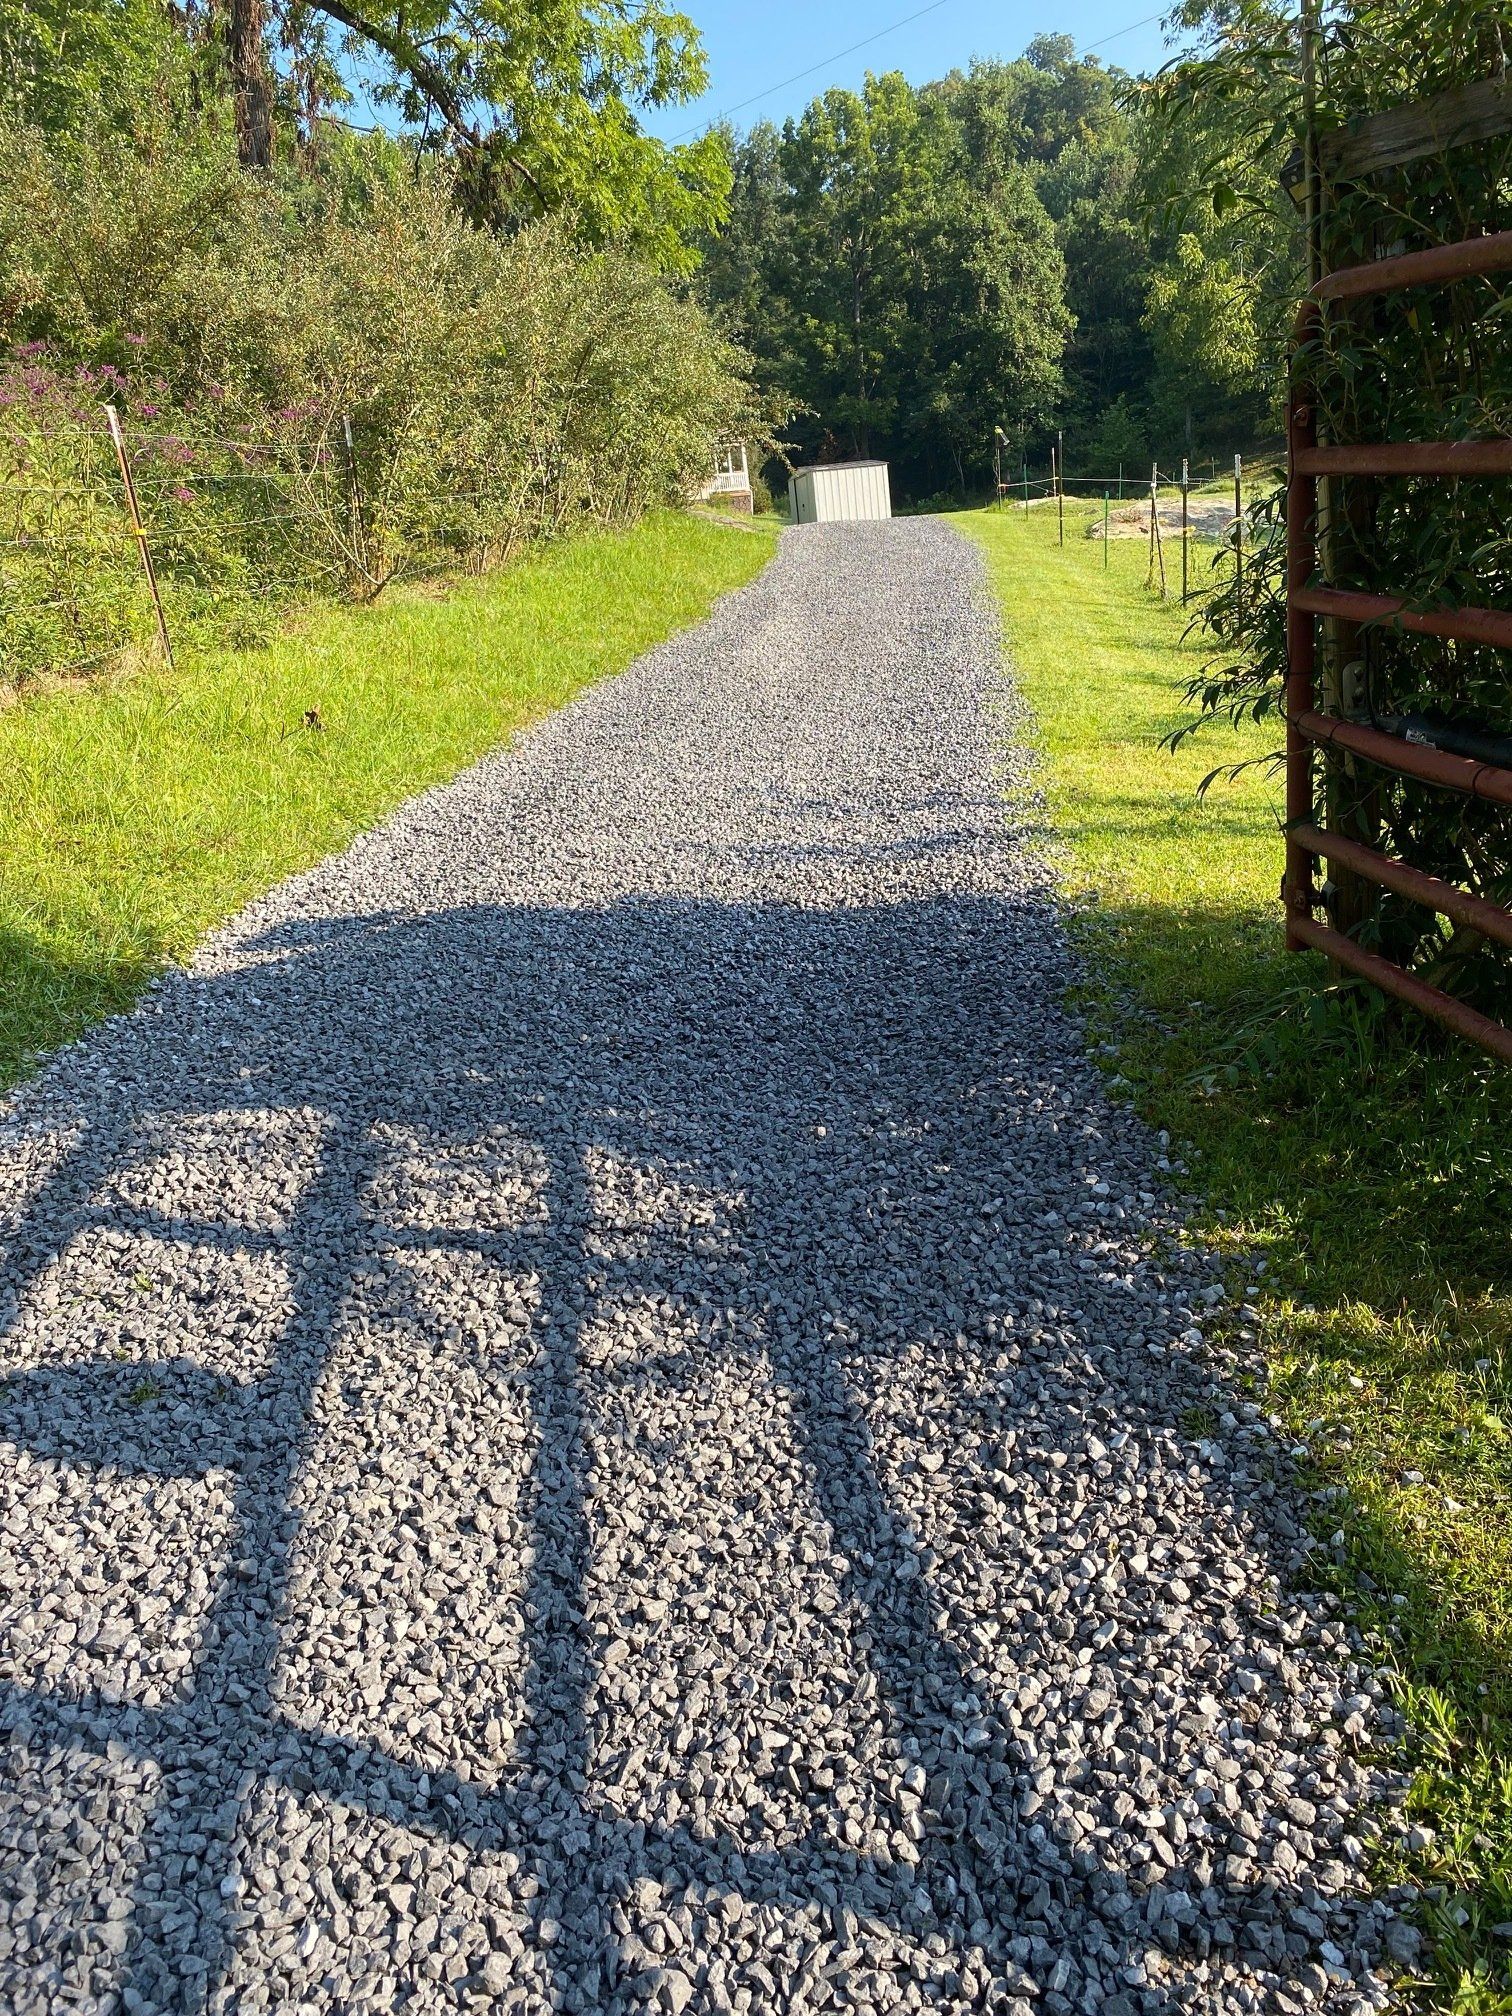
point(1358, 1165)
point(137, 811)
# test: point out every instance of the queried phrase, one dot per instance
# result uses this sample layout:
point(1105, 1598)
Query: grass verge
point(138, 811)
point(1357, 1164)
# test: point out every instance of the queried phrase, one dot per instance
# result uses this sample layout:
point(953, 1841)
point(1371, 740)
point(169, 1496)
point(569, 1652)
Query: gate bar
point(1470, 259)
point(1391, 979)
point(1466, 626)
point(1409, 458)
point(1474, 912)
point(1413, 759)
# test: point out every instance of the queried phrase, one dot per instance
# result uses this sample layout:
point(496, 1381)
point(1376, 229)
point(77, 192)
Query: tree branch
point(407, 54)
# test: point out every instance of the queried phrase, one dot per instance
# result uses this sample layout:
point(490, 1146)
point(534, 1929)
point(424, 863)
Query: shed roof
point(821, 468)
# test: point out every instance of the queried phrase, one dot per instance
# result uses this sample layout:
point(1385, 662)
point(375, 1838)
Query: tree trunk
point(249, 83)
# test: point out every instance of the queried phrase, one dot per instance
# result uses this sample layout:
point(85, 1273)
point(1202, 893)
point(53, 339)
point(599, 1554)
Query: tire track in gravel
point(597, 1412)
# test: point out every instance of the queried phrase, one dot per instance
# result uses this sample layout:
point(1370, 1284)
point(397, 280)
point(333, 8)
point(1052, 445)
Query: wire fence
point(117, 535)
point(1168, 505)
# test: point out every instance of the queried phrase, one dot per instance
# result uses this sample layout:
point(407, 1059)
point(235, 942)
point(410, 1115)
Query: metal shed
point(839, 490)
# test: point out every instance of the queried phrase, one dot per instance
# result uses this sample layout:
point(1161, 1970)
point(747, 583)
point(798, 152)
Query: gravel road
point(596, 1420)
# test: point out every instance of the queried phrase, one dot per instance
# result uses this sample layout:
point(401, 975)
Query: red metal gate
point(1309, 729)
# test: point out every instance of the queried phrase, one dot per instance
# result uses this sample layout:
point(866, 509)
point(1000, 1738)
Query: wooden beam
point(1480, 111)
point(1436, 265)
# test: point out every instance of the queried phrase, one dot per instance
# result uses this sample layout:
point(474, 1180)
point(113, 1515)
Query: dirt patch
point(1209, 518)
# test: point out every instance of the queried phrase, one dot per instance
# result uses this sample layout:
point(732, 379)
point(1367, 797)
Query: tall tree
point(1062, 120)
point(246, 32)
point(905, 308)
point(537, 102)
point(859, 167)
point(63, 60)
point(535, 106)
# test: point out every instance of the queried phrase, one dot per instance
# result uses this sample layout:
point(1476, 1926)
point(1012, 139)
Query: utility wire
point(705, 126)
point(799, 75)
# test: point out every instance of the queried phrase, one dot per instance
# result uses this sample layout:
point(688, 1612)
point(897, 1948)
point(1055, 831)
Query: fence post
point(1157, 549)
point(1185, 534)
point(1150, 560)
point(1120, 482)
point(1239, 542)
point(1060, 482)
point(1026, 487)
point(118, 442)
point(1105, 530)
point(356, 524)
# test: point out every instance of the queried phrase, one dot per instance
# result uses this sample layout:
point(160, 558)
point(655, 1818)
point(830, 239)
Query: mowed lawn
point(1357, 1167)
point(139, 810)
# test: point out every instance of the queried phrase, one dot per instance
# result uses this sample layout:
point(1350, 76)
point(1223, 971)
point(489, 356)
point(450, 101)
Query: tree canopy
point(884, 287)
point(534, 106)
point(923, 265)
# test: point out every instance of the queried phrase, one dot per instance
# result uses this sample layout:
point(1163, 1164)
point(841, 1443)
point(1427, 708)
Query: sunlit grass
point(137, 812)
point(1357, 1155)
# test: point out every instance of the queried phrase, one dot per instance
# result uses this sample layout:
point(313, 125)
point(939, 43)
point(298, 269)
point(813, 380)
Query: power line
point(1128, 29)
point(704, 126)
point(799, 75)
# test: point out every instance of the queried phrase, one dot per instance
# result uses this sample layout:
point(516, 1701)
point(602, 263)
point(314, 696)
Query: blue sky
point(755, 45)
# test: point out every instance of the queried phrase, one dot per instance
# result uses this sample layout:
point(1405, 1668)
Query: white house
point(730, 485)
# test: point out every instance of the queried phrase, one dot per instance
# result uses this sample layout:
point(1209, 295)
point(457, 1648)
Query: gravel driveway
point(595, 1420)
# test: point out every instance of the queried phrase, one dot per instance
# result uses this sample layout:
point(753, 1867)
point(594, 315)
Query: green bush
point(328, 381)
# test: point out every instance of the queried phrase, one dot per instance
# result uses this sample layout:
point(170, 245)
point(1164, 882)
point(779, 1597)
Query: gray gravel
point(596, 1419)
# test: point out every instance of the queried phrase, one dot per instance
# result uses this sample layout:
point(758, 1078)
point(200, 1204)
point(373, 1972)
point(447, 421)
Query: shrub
point(327, 382)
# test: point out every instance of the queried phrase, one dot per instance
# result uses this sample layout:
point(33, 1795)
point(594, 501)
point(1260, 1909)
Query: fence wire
point(210, 523)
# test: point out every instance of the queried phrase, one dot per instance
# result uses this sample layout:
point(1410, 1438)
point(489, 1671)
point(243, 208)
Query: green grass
point(140, 810)
point(1353, 1163)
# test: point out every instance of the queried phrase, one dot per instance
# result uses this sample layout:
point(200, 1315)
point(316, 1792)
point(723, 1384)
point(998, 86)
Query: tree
point(859, 168)
point(1209, 361)
point(532, 106)
point(535, 102)
point(246, 31)
point(906, 309)
point(62, 60)
point(1064, 121)
point(987, 301)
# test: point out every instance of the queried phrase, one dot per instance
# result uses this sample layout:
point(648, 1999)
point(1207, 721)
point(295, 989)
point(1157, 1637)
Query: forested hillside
point(1000, 248)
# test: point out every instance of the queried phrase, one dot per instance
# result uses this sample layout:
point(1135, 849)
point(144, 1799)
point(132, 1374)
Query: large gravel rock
point(602, 1416)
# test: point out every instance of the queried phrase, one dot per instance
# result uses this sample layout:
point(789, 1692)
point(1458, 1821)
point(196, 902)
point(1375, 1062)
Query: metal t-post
point(1060, 483)
point(144, 552)
point(1239, 542)
point(1185, 527)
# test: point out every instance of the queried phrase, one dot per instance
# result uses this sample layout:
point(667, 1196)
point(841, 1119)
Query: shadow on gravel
point(49, 997)
point(800, 1141)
